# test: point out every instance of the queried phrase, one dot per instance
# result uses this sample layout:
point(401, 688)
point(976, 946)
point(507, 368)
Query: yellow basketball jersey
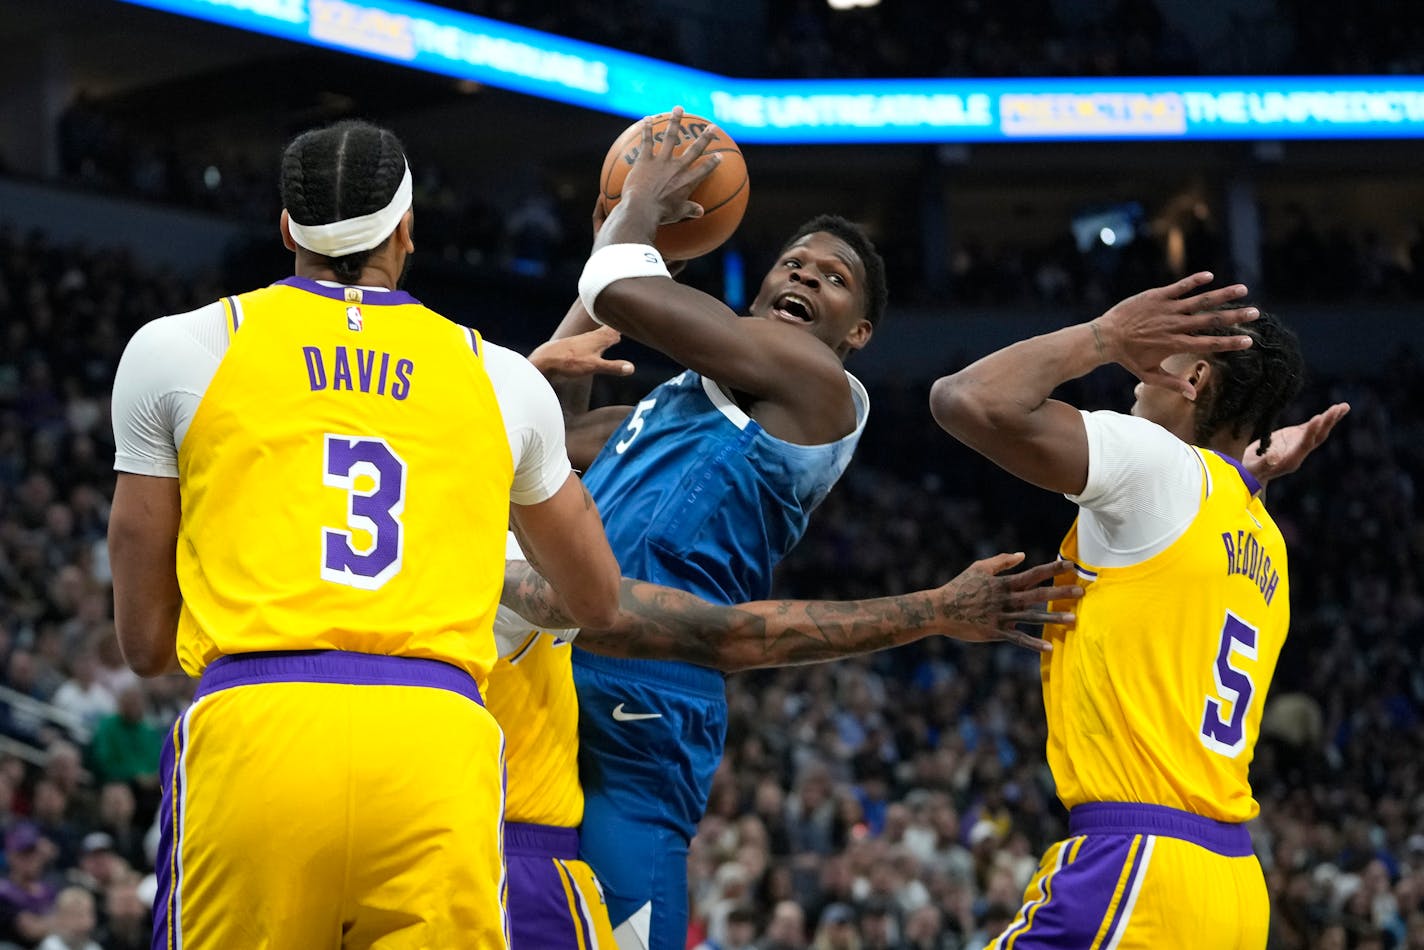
point(531, 695)
point(345, 484)
point(1156, 694)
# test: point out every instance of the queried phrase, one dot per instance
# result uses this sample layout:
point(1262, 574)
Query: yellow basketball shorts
point(555, 902)
point(1143, 876)
point(325, 799)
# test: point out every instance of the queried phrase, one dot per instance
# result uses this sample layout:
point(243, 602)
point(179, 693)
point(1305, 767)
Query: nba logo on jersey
point(353, 318)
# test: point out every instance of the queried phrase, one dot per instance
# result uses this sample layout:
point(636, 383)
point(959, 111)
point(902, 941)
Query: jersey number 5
point(635, 425)
point(366, 553)
point(1227, 736)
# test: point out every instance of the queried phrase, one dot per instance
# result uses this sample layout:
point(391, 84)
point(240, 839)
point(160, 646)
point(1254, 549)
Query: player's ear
point(859, 335)
point(284, 225)
point(1199, 374)
point(405, 231)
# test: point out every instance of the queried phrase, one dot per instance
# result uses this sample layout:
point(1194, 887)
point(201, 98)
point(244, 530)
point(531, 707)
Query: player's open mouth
point(793, 308)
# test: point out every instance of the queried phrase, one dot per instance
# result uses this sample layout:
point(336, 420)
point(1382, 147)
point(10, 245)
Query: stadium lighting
point(1108, 236)
point(851, 4)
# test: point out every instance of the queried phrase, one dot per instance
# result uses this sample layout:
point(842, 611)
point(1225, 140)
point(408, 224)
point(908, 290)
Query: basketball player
point(315, 483)
point(707, 485)
point(1154, 699)
point(554, 899)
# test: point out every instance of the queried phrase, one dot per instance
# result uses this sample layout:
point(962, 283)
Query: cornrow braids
point(876, 292)
point(338, 172)
point(1251, 387)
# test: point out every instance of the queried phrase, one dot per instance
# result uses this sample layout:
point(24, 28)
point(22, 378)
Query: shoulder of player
point(803, 369)
point(510, 370)
point(178, 328)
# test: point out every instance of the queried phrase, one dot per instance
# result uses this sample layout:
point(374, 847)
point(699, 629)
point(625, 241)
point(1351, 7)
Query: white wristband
point(616, 262)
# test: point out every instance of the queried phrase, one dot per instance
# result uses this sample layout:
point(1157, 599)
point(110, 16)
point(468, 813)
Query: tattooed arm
point(659, 623)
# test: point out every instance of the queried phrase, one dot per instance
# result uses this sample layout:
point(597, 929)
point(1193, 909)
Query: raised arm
point(764, 358)
point(654, 622)
point(1000, 405)
point(569, 364)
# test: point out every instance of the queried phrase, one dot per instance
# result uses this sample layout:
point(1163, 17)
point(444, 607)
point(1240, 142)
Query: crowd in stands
point(898, 801)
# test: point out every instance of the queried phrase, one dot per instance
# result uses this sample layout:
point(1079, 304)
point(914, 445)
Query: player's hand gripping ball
point(723, 195)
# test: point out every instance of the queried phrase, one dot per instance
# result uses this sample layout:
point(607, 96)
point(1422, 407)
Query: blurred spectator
point(73, 922)
point(26, 898)
point(126, 745)
point(836, 929)
point(787, 929)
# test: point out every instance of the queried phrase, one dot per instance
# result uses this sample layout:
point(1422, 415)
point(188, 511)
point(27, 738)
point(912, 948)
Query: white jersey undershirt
point(1144, 488)
point(169, 363)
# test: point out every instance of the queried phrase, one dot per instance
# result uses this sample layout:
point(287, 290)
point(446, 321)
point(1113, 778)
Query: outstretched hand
point(984, 604)
point(668, 179)
point(1143, 330)
point(578, 356)
point(1291, 445)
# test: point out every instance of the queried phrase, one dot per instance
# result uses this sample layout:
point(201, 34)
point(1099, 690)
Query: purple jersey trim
point(551, 841)
point(1134, 818)
point(334, 666)
point(1253, 485)
point(378, 298)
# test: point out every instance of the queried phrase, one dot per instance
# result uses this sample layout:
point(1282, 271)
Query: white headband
point(353, 235)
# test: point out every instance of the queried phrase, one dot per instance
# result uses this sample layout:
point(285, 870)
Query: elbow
point(950, 402)
point(599, 608)
point(963, 409)
point(146, 655)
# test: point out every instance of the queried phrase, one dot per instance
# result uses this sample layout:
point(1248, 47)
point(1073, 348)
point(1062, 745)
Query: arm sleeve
point(165, 369)
point(1144, 487)
point(534, 422)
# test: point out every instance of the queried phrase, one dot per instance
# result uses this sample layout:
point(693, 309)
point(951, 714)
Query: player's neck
point(379, 271)
point(1228, 445)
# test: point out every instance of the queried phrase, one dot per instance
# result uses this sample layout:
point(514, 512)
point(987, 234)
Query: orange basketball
point(723, 194)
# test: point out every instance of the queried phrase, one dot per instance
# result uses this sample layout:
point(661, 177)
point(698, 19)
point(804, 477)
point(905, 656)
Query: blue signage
point(787, 112)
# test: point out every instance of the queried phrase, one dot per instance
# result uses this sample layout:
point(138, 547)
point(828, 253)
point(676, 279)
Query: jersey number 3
point(367, 552)
point(1227, 736)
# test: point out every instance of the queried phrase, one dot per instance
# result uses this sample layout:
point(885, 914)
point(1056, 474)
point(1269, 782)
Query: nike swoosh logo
point(622, 716)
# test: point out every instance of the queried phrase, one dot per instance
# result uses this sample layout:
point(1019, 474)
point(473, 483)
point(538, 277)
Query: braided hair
point(339, 172)
point(1251, 387)
point(854, 235)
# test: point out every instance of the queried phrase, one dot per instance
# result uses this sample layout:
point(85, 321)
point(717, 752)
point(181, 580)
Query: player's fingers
point(673, 135)
point(1039, 573)
point(603, 337)
point(699, 145)
point(1039, 616)
point(1029, 642)
point(1327, 420)
point(613, 367)
point(1198, 343)
point(1184, 286)
point(645, 153)
point(1043, 595)
point(1154, 376)
point(686, 212)
point(998, 563)
point(1202, 305)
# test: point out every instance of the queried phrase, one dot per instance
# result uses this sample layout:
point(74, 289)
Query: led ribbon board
point(794, 112)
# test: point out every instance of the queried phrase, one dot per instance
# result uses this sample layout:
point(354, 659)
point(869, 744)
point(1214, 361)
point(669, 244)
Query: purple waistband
point(1134, 818)
point(334, 666)
point(548, 841)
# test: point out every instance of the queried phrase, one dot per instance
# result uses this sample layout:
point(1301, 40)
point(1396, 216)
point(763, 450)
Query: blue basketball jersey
point(696, 495)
